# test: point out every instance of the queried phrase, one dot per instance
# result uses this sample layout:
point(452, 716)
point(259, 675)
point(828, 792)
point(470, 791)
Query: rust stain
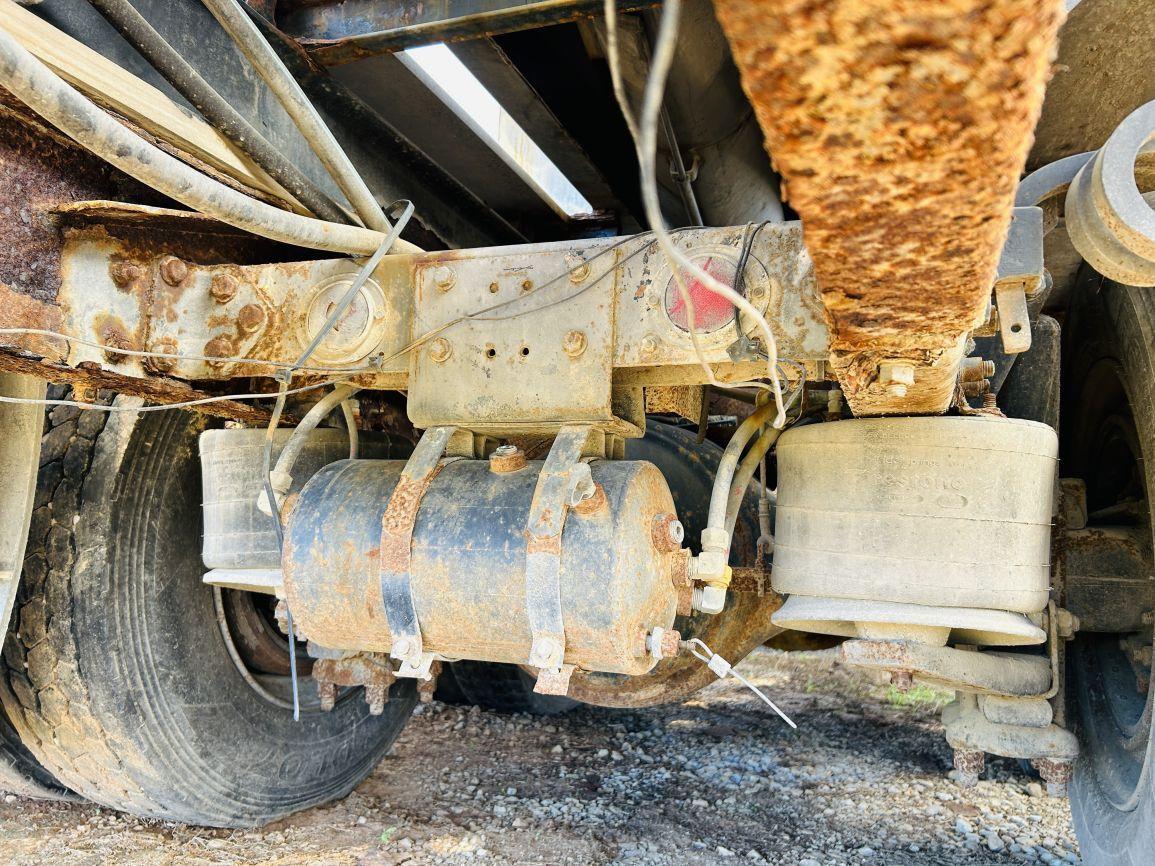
point(901, 128)
point(399, 519)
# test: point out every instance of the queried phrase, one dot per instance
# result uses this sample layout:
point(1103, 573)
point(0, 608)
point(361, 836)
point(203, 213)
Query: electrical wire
point(646, 143)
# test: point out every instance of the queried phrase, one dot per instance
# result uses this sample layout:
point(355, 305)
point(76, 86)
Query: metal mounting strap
point(396, 550)
point(564, 482)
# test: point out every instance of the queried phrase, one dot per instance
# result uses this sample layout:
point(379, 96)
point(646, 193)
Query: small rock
point(722, 851)
point(1034, 789)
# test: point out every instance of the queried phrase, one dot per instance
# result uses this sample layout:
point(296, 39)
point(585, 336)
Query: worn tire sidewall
point(1112, 322)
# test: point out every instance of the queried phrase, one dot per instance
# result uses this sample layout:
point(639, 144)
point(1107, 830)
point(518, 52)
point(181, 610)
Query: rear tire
point(1109, 441)
point(119, 680)
point(505, 688)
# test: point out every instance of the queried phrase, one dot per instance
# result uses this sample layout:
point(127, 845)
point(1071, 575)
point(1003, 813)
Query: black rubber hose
point(187, 81)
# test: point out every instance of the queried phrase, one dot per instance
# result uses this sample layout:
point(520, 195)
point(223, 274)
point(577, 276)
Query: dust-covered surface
point(716, 779)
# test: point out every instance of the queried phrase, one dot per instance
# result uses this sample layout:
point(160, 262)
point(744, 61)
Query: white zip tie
point(723, 669)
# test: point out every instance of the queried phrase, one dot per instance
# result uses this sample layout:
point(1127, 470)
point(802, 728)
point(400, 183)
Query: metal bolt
point(1056, 773)
point(968, 765)
point(376, 696)
point(440, 350)
point(327, 692)
point(574, 343)
point(124, 273)
point(402, 647)
point(444, 278)
point(1148, 617)
point(543, 652)
point(224, 288)
point(896, 377)
point(990, 401)
point(526, 284)
point(251, 318)
point(426, 687)
point(902, 680)
point(650, 344)
point(579, 268)
point(167, 346)
point(663, 643)
point(220, 349)
point(173, 271)
point(506, 458)
point(757, 293)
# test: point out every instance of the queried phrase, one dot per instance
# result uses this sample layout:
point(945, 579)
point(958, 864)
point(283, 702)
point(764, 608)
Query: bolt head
point(574, 343)
point(224, 288)
point(444, 278)
point(251, 318)
point(440, 350)
point(676, 532)
point(168, 346)
point(579, 268)
point(219, 348)
point(649, 344)
point(402, 647)
point(173, 271)
point(123, 274)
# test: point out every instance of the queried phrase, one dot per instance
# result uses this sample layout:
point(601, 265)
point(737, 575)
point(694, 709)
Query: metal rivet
point(574, 343)
point(224, 288)
point(440, 350)
point(219, 348)
point(526, 284)
point(579, 268)
point(173, 271)
point(650, 344)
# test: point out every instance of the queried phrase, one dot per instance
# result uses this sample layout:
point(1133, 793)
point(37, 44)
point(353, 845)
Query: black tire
point(1109, 441)
point(21, 773)
point(119, 680)
point(505, 688)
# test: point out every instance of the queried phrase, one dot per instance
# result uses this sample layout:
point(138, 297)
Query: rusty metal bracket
point(396, 551)
point(564, 482)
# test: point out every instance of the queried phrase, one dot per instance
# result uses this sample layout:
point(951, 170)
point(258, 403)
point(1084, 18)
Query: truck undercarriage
point(565, 352)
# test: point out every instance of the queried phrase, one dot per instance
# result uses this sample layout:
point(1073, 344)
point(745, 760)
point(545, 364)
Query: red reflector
point(711, 310)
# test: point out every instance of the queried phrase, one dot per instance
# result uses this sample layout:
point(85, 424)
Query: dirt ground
point(864, 780)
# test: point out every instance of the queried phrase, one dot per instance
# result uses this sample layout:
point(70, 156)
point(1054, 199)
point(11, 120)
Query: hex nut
point(173, 271)
point(251, 318)
point(574, 343)
point(167, 346)
point(440, 350)
point(224, 288)
point(506, 458)
point(123, 274)
point(220, 349)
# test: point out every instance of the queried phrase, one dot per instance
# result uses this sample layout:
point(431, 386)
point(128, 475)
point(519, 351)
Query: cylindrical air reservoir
point(880, 514)
point(468, 562)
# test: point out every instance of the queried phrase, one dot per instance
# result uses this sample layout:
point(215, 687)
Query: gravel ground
point(718, 779)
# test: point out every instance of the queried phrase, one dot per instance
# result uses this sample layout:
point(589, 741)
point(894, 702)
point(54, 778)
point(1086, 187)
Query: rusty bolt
point(402, 647)
point(1148, 617)
point(990, 401)
point(224, 288)
point(976, 368)
point(444, 278)
point(968, 765)
point(124, 273)
point(376, 696)
point(1056, 773)
point(902, 680)
point(173, 271)
point(663, 643)
point(440, 350)
point(526, 284)
point(167, 346)
point(574, 343)
point(219, 349)
point(650, 344)
point(506, 458)
point(426, 688)
point(592, 504)
point(327, 692)
point(977, 388)
point(579, 268)
point(251, 318)
point(667, 533)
